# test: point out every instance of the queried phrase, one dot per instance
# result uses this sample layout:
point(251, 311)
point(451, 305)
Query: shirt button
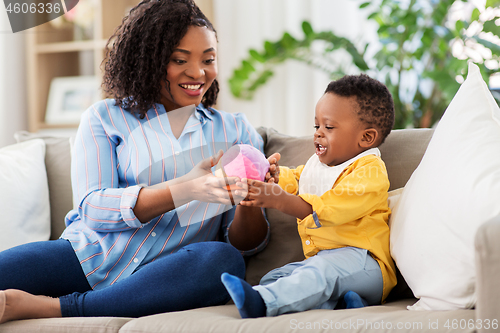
point(153, 234)
point(177, 153)
point(136, 260)
point(308, 242)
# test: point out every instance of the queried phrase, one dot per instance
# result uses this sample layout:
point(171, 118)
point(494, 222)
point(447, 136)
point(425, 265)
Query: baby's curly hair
point(142, 45)
point(376, 107)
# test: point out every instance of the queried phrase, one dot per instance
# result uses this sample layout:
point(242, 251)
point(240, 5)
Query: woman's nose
point(195, 71)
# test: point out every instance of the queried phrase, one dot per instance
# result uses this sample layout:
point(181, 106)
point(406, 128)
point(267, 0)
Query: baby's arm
point(271, 195)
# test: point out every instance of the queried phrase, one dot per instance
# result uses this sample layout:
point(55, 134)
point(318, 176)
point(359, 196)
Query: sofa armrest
point(487, 258)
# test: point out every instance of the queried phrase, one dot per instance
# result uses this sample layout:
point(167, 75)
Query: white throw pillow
point(454, 190)
point(393, 197)
point(24, 194)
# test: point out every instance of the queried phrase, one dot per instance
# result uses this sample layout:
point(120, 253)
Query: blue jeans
point(187, 279)
point(321, 280)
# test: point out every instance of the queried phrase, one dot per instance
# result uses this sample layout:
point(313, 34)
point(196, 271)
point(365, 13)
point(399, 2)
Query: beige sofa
point(401, 152)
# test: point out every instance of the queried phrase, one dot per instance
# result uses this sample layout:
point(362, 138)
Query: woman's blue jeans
point(187, 279)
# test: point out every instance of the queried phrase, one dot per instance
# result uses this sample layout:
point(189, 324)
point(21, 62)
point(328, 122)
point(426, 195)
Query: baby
point(340, 200)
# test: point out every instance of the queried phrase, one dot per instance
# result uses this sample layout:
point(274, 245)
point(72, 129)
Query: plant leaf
point(270, 49)
point(257, 56)
point(307, 28)
point(475, 15)
point(364, 5)
point(287, 41)
point(492, 3)
point(490, 26)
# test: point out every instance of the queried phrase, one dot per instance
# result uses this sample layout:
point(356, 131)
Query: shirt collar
point(204, 111)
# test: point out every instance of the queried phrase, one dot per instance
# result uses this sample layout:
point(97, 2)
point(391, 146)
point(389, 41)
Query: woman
point(141, 240)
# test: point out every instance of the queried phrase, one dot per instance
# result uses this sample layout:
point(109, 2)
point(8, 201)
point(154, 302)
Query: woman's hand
point(200, 184)
point(273, 175)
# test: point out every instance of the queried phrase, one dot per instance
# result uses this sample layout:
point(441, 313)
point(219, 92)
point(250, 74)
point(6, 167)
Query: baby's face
point(338, 129)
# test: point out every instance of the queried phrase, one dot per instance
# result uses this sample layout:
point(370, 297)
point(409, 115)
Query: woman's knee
point(54, 264)
point(219, 256)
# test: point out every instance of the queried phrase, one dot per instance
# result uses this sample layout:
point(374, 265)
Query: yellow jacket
point(354, 213)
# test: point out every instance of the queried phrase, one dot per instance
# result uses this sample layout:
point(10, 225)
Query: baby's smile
point(320, 149)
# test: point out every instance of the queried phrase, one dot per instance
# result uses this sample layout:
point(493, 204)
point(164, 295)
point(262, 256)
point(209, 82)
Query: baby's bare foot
point(17, 304)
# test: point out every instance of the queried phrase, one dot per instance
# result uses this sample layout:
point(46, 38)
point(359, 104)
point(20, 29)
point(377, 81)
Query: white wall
point(287, 101)
point(13, 91)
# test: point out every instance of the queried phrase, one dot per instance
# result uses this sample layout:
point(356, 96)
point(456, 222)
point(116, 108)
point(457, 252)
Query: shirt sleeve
point(102, 205)
point(358, 192)
point(289, 179)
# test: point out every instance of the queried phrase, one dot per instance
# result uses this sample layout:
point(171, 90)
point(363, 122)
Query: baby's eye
point(329, 127)
point(316, 127)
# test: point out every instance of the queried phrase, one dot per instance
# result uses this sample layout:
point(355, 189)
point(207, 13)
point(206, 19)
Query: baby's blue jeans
point(189, 278)
point(321, 280)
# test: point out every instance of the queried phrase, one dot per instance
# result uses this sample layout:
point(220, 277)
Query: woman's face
point(191, 70)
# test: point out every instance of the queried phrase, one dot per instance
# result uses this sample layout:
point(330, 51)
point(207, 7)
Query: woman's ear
point(369, 138)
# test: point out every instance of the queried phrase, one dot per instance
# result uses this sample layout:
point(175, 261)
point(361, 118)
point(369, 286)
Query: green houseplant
point(414, 58)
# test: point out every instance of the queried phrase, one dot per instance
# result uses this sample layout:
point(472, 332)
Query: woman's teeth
point(191, 86)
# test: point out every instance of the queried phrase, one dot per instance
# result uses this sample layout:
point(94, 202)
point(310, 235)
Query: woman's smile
point(192, 88)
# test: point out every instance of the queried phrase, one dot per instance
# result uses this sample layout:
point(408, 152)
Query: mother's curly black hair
point(136, 64)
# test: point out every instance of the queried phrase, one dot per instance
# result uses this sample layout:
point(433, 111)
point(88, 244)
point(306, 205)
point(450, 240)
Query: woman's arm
point(248, 229)
point(153, 201)
point(198, 184)
point(102, 205)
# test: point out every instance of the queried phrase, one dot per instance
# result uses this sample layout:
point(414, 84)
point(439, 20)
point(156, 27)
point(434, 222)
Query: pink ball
point(244, 161)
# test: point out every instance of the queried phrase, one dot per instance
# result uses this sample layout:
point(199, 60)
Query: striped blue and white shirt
point(115, 154)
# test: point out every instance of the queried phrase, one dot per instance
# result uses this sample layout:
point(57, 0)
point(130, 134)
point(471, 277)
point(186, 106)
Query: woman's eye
point(179, 61)
point(209, 61)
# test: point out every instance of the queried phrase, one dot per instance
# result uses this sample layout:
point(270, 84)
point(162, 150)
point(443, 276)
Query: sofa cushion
point(294, 150)
point(24, 199)
point(391, 317)
point(58, 165)
point(454, 190)
point(66, 325)
point(402, 151)
point(401, 290)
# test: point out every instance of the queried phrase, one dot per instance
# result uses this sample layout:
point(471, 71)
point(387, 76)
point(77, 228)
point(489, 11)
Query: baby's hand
point(259, 194)
point(273, 175)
